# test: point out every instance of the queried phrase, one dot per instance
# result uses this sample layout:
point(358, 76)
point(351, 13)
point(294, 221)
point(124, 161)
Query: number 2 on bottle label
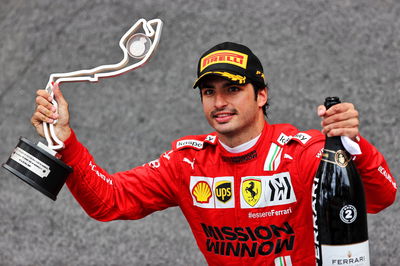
point(348, 214)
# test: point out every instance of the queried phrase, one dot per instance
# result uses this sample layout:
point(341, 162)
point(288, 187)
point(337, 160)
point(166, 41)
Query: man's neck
point(234, 140)
point(242, 147)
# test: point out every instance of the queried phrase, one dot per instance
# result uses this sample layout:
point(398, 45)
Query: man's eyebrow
point(210, 86)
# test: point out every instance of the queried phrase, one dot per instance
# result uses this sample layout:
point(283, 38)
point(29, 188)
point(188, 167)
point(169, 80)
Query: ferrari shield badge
point(251, 191)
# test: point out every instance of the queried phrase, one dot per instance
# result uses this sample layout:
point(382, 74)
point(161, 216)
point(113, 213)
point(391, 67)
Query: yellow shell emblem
point(202, 192)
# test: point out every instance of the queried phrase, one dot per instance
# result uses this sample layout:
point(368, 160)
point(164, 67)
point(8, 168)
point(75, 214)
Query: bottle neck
point(333, 143)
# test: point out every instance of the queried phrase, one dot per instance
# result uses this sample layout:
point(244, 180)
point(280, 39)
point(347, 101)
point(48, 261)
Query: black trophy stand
point(38, 168)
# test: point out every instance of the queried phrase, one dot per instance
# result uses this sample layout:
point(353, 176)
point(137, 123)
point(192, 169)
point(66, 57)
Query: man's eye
point(208, 92)
point(234, 89)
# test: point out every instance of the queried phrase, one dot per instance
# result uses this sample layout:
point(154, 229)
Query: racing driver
point(246, 188)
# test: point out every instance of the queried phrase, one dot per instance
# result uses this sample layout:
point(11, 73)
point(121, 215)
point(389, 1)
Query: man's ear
point(262, 97)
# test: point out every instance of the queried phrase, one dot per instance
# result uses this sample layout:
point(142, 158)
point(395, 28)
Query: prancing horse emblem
point(251, 191)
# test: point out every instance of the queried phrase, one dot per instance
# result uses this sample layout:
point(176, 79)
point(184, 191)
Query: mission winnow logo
point(247, 241)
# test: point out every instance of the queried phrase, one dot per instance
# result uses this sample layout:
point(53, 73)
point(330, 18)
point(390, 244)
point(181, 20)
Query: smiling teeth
point(223, 115)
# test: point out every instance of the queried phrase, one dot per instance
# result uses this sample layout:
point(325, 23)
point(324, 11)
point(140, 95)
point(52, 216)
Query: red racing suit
point(249, 208)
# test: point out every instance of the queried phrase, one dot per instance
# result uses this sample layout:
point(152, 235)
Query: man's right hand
point(46, 112)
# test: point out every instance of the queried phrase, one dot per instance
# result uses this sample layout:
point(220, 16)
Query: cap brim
point(235, 78)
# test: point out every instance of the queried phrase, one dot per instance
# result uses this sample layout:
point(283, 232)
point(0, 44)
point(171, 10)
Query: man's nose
point(220, 101)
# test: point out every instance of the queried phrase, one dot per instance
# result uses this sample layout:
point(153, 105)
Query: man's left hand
point(339, 120)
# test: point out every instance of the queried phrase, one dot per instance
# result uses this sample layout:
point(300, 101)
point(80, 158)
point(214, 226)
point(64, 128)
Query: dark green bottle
point(340, 217)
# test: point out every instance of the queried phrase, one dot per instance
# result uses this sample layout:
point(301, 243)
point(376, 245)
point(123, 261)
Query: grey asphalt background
point(309, 49)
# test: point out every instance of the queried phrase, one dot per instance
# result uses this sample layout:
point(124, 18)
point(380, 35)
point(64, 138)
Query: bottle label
point(340, 157)
point(348, 255)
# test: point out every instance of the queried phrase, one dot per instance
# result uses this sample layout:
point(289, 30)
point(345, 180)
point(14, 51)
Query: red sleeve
point(379, 185)
point(130, 194)
point(310, 157)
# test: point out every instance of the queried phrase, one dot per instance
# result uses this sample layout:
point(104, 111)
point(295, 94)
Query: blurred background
point(309, 49)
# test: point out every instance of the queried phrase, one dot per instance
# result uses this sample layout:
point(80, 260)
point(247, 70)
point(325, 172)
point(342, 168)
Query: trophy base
point(38, 168)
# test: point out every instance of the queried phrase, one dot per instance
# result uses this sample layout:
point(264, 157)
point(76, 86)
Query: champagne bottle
point(340, 218)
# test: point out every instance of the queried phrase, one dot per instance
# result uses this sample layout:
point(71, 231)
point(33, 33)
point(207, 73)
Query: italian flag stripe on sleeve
point(273, 158)
point(283, 261)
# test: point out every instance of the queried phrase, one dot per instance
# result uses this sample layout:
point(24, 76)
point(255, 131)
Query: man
point(244, 189)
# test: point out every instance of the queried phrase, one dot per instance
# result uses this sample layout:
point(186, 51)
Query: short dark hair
point(257, 87)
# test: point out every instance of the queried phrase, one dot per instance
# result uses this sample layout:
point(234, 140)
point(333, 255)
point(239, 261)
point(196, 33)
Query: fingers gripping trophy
point(39, 164)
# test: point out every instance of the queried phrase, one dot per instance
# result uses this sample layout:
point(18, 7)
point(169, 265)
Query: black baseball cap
point(231, 61)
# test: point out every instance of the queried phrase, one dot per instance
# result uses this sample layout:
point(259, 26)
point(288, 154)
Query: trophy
point(39, 164)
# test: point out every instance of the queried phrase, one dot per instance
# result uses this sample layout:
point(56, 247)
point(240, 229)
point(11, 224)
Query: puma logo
point(186, 160)
point(287, 156)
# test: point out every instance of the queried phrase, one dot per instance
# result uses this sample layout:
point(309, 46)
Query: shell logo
point(202, 192)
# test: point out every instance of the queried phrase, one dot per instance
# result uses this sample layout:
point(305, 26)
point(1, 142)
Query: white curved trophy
point(138, 46)
point(37, 164)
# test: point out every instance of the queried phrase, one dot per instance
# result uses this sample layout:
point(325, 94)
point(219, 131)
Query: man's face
point(233, 110)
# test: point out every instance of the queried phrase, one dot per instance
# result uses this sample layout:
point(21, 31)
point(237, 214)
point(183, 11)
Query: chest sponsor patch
point(223, 191)
point(251, 190)
point(202, 192)
point(255, 191)
point(250, 241)
point(265, 191)
point(212, 193)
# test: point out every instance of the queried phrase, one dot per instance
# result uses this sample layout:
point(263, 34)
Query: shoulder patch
point(190, 143)
point(301, 137)
point(211, 139)
point(194, 142)
point(283, 139)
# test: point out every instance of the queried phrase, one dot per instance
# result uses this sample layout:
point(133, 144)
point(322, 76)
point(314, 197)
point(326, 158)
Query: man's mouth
point(223, 116)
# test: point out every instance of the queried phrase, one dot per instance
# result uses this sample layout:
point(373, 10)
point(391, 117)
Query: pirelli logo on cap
point(224, 56)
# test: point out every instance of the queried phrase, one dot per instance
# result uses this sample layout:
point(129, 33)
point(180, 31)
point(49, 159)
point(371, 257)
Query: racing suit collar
point(249, 154)
point(242, 147)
